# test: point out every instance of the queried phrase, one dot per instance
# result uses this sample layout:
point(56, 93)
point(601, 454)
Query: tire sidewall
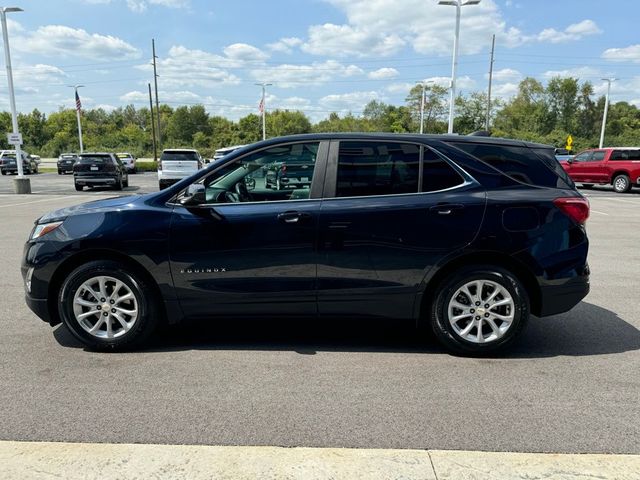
point(627, 183)
point(439, 310)
point(76, 278)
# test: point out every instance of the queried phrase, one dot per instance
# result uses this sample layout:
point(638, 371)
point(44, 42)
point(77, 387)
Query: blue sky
point(320, 55)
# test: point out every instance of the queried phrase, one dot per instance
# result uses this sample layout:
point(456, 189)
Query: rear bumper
point(563, 297)
point(95, 180)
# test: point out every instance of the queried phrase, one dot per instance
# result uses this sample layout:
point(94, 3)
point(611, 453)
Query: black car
point(8, 164)
point(66, 161)
point(290, 174)
point(99, 169)
point(466, 235)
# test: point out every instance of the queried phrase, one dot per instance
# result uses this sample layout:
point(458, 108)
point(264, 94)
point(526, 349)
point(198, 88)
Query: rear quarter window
point(526, 165)
point(624, 155)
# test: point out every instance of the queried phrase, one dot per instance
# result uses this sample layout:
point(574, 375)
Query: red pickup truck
point(619, 167)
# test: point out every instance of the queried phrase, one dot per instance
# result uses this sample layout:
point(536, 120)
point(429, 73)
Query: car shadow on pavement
point(587, 330)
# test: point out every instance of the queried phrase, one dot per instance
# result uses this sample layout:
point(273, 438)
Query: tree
point(285, 122)
point(435, 106)
point(471, 113)
point(563, 102)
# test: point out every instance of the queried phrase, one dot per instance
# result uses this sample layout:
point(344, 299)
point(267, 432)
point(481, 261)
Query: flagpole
point(263, 108)
point(78, 107)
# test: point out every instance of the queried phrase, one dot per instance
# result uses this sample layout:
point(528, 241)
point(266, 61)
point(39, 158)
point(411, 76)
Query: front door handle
point(293, 217)
point(446, 208)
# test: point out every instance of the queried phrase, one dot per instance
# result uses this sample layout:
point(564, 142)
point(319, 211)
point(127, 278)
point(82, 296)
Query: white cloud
point(353, 101)
point(74, 42)
point(462, 83)
point(245, 53)
point(184, 67)
point(134, 97)
point(106, 107)
point(139, 6)
point(626, 54)
point(397, 88)
point(317, 73)
point(285, 45)
point(575, 31)
point(384, 27)
point(346, 40)
point(584, 73)
point(505, 74)
point(383, 73)
point(504, 90)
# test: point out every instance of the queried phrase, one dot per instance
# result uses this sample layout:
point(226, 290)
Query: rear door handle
point(293, 217)
point(446, 208)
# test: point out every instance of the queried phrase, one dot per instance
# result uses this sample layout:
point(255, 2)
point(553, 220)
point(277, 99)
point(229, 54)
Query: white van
point(176, 164)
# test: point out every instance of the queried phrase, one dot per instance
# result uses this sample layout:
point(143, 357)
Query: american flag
point(78, 103)
point(261, 105)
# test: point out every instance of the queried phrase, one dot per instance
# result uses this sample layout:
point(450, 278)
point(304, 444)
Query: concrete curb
point(35, 460)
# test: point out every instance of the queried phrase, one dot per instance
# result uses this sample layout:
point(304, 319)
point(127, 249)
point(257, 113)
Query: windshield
point(191, 156)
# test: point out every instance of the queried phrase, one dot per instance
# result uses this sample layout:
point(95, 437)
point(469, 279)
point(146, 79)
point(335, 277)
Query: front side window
point(583, 157)
point(283, 172)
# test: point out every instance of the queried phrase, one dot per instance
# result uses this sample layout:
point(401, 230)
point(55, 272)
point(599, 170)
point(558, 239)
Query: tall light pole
point(458, 4)
point(22, 185)
point(263, 108)
point(76, 99)
point(424, 92)
point(606, 108)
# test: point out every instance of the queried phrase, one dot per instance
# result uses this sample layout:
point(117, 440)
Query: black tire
point(588, 186)
point(147, 305)
point(118, 185)
point(161, 186)
point(78, 187)
point(439, 316)
point(3, 172)
point(59, 172)
point(125, 184)
point(621, 183)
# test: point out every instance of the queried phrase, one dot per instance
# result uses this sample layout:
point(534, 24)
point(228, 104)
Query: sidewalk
point(36, 460)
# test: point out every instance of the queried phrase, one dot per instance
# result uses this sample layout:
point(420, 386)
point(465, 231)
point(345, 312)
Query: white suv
point(176, 164)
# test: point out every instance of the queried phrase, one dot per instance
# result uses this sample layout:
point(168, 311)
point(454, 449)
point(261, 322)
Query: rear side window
point(381, 168)
point(598, 156)
point(377, 168)
point(622, 155)
point(520, 163)
point(183, 156)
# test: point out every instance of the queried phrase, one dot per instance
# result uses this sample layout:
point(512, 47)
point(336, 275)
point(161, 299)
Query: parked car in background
point(221, 152)
point(99, 169)
point(9, 165)
point(467, 236)
point(563, 154)
point(290, 174)
point(66, 161)
point(176, 164)
point(619, 167)
point(128, 160)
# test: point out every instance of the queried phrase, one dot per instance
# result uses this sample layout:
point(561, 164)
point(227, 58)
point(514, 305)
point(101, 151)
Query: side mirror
point(194, 195)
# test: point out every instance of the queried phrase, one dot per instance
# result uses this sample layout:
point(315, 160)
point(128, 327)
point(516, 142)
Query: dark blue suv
point(466, 235)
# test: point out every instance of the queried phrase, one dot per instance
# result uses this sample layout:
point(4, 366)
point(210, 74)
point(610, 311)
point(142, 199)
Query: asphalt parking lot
point(571, 384)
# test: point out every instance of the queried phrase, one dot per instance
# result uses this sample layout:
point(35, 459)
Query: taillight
point(577, 209)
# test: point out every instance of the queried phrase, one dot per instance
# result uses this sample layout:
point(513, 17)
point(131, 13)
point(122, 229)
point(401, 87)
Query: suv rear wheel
point(479, 310)
point(622, 183)
point(107, 306)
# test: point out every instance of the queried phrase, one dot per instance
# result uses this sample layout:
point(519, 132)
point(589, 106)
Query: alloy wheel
point(105, 307)
point(481, 311)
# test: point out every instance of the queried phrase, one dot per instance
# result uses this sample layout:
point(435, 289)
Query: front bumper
point(40, 306)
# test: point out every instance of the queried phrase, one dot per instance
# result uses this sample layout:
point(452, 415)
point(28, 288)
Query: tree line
point(540, 113)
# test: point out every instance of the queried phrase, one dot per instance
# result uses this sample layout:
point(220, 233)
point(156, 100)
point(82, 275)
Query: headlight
point(44, 228)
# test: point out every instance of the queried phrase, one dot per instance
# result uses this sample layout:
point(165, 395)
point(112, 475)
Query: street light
point(424, 91)
point(22, 184)
point(77, 102)
point(606, 108)
point(458, 4)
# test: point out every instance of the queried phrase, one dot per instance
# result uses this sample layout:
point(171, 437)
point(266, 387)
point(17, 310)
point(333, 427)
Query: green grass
point(146, 166)
point(47, 170)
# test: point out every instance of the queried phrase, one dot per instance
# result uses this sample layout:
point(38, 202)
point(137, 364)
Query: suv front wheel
point(107, 306)
point(479, 310)
point(622, 183)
